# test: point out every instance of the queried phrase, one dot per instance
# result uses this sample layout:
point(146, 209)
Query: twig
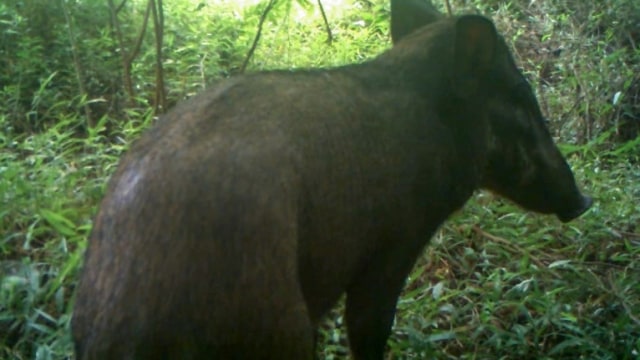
point(158, 27)
point(449, 8)
point(510, 244)
point(263, 17)
point(630, 234)
point(326, 23)
point(121, 6)
point(76, 62)
point(127, 58)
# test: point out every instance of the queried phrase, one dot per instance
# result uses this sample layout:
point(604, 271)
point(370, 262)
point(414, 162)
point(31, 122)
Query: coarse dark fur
point(233, 225)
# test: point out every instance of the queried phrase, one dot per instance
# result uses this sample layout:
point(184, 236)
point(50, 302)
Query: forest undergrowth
point(496, 282)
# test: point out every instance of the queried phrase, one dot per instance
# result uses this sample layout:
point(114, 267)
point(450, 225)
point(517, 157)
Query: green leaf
point(57, 221)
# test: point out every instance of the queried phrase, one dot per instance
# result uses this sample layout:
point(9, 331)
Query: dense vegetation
point(495, 283)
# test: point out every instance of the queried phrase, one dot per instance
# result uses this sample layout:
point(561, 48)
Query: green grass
point(50, 184)
point(495, 282)
point(500, 283)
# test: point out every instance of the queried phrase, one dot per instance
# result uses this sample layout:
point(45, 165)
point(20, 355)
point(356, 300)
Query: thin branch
point(126, 66)
point(138, 45)
point(263, 17)
point(449, 11)
point(120, 6)
point(630, 234)
point(76, 62)
point(326, 23)
point(513, 246)
point(158, 26)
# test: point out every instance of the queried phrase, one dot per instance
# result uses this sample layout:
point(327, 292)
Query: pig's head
point(523, 163)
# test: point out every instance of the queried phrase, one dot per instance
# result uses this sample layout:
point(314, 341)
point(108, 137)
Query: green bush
point(495, 283)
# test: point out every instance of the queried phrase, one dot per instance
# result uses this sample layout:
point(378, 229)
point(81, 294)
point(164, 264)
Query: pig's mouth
point(574, 213)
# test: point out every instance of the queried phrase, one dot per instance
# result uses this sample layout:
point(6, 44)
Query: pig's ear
point(409, 15)
point(476, 43)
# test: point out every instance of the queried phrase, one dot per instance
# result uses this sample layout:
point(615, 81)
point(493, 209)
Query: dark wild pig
point(236, 222)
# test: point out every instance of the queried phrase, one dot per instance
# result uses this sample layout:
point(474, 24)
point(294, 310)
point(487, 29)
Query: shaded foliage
point(480, 291)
